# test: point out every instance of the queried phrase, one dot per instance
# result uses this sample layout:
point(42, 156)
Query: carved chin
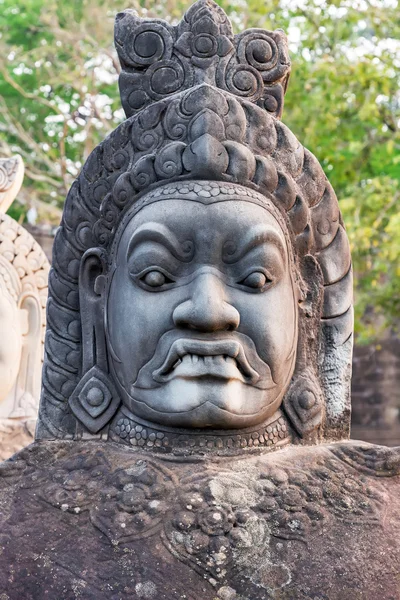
point(205, 403)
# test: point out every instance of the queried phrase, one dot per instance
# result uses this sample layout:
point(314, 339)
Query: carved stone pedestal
point(97, 521)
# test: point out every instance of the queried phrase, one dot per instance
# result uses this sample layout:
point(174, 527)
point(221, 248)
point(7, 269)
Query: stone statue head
point(201, 281)
point(23, 292)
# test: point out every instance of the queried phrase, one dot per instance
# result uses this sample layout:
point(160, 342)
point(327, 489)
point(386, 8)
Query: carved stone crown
point(159, 60)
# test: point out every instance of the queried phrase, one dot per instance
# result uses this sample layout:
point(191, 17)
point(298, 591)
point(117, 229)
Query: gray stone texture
point(209, 141)
point(95, 521)
point(196, 387)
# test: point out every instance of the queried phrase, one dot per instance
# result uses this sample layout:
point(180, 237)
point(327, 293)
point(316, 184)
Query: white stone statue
point(24, 272)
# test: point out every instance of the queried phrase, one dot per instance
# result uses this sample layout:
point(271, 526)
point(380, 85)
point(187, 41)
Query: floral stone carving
point(291, 524)
point(195, 410)
point(24, 271)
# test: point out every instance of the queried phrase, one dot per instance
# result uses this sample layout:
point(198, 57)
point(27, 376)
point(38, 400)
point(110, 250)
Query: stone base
point(98, 521)
point(15, 435)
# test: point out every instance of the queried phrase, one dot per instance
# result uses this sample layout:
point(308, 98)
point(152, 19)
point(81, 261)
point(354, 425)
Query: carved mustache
point(229, 348)
point(238, 350)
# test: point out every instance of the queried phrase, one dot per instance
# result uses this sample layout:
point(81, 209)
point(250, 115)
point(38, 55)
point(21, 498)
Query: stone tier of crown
point(159, 60)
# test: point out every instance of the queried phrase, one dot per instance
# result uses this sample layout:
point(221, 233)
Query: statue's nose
point(207, 309)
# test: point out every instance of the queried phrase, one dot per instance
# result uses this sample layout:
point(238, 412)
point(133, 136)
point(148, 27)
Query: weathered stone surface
point(159, 61)
point(95, 521)
point(198, 354)
point(11, 177)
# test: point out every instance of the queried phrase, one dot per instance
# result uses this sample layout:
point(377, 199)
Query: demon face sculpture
point(201, 283)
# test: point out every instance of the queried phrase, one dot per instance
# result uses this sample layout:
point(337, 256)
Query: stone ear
point(24, 321)
point(30, 315)
point(30, 312)
point(92, 278)
point(94, 400)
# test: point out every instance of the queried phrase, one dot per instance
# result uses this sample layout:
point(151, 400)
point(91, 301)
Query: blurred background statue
point(23, 292)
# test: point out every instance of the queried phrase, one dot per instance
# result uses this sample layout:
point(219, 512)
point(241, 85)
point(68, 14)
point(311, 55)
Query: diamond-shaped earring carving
point(94, 400)
point(304, 404)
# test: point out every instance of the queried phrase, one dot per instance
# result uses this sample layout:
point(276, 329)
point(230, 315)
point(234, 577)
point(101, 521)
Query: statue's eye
point(155, 279)
point(255, 280)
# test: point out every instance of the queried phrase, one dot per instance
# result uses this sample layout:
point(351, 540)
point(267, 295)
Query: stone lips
point(219, 366)
point(228, 348)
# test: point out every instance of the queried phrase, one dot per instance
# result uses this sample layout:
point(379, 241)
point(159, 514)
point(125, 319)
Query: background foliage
point(59, 98)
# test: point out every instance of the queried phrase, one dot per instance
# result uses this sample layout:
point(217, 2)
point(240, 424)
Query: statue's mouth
point(224, 359)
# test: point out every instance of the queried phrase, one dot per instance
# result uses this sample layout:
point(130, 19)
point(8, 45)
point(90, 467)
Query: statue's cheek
point(270, 319)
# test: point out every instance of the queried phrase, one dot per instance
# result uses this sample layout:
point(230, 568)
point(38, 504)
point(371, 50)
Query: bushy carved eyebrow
point(160, 234)
point(256, 236)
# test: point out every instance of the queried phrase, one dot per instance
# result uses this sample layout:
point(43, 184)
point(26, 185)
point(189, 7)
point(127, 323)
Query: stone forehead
point(194, 190)
point(206, 192)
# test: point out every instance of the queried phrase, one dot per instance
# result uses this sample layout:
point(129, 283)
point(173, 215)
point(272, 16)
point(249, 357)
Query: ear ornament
point(94, 400)
point(304, 404)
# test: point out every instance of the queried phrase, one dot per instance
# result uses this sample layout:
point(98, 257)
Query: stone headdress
point(203, 108)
